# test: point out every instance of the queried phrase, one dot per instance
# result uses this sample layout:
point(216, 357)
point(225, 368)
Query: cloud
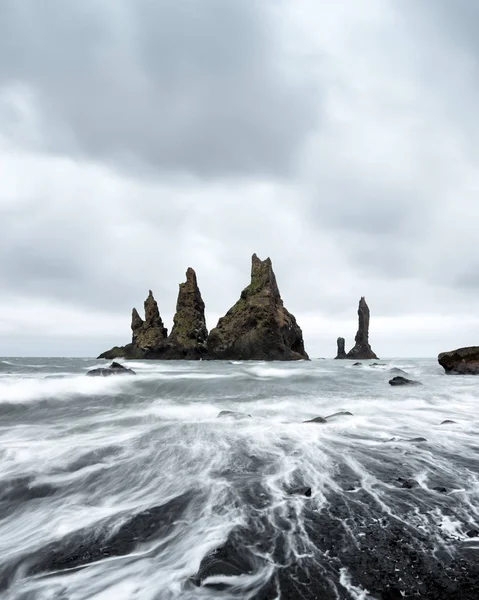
point(199, 87)
point(140, 138)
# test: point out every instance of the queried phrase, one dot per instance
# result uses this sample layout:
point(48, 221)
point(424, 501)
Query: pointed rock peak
point(362, 349)
point(152, 314)
point(136, 320)
point(341, 350)
point(189, 333)
point(262, 277)
point(191, 276)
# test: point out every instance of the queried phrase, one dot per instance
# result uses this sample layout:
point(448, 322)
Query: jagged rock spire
point(189, 331)
point(341, 351)
point(258, 327)
point(362, 349)
point(150, 333)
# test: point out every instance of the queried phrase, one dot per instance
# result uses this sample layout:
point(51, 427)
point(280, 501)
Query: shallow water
point(130, 487)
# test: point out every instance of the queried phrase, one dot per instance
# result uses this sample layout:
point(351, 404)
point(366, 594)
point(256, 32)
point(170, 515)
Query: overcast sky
point(141, 137)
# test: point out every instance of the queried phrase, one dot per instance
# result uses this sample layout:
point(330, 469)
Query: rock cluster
point(463, 361)
point(361, 350)
point(257, 327)
point(150, 339)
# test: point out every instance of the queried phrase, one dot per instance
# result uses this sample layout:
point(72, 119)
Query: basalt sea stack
point(258, 326)
point(150, 338)
point(341, 350)
point(362, 349)
point(463, 361)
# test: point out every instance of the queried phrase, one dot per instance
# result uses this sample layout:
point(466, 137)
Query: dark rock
point(258, 326)
point(448, 422)
point(417, 439)
point(357, 364)
point(362, 349)
point(463, 361)
point(114, 369)
point(408, 484)
point(440, 489)
point(472, 533)
point(403, 381)
point(301, 491)
point(233, 415)
point(316, 420)
point(377, 365)
point(341, 351)
point(342, 413)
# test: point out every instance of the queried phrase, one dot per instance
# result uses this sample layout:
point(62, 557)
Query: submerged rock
point(301, 491)
point(408, 484)
point(114, 369)
point(341, 351)
point(258, 326)
point(342, 413)
point(316, 420)
point(233, 415)
point(403, 381)
point(362, 349)
point(397, 371)
point(463, 361)
point(448, 422)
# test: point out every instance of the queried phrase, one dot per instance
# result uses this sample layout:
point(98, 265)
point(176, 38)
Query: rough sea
point(132, 487)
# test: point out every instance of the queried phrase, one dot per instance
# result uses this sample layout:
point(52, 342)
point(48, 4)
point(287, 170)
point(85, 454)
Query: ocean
point(132, 487)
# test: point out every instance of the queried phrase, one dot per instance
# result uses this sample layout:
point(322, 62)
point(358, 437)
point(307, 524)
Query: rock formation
point(150, 338)
point(341, 350)
point(463, 361)
point(187, 339)
point(114, 369)
point(258, 326)
point(362, 349)
point(403, 381)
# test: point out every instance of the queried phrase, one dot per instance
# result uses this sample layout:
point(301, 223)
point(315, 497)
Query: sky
point(141, 137)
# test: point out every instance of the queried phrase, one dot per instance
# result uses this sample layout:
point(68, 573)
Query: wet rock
point(408, 484)
point(462, 361)
point(440, 489)
point(316, 420)
point(104, 541)
point(395, 381)
point(258, 326)
point(342, 413)
point(362, 349)
point(358, 364)
point(114, 369)
point(472, 533)
point(448, 422)
point(301, 491)
point(378, 364)
point(233, 415)
point(341, 348)
point(417, 439)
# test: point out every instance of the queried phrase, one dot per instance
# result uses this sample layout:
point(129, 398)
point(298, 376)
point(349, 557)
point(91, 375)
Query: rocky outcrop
point(114, 369)
point(395, 381)
point(150, 339)
point(188, 337)
point(463, 361)
point(362, 349)
point(258, 326)
point(341, 351)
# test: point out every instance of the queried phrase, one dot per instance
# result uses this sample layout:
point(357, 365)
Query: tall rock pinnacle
point(258, 326)
point(362, 349)
point(189, 334)
point(341, 350)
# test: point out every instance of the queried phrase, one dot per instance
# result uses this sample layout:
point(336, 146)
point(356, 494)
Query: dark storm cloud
point(203, 87)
